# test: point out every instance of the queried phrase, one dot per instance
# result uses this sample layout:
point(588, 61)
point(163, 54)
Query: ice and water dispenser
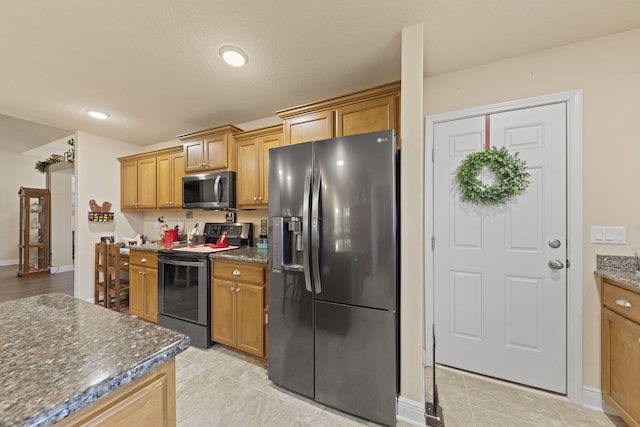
point(287, 244)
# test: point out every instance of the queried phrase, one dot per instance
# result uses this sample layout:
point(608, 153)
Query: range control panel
point(237, 233)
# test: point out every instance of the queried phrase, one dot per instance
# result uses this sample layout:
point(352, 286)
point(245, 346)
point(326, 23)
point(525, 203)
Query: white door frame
point(573, 99)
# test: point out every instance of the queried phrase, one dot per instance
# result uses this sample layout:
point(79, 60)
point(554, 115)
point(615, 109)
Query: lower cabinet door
point(151, 291)
point(136, 291)
point(250, 327)
point(621, 370)
point(223, 307)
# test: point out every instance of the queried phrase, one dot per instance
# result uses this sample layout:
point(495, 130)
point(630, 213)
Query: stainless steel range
point(184, 281)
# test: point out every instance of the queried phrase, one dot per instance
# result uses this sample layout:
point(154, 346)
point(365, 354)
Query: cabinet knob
point(125, 264)
point(260, 198)
point(623, 302)
point(237, 289)
point(231, 289)
point(236, 273)
point(255, 199)
point(143, 260)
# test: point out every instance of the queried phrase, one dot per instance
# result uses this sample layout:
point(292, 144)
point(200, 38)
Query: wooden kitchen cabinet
point(369, 110)
point(143, 285)
point(169, 180)
point(35, 204)
point(237, 305)
point(146, 401)
point(367, 116)
point(309, 127)
point(210, 150)
point(252, 182)
point(138, 183)
point(152, 180)
point(620, 356)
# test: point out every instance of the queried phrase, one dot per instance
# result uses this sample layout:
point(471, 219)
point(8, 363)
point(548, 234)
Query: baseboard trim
point(592, 398)
point(4, 262)
point(411, 411)
point(60, 268)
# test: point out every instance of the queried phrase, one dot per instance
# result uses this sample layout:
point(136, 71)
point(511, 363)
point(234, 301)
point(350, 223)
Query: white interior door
point(500, 308)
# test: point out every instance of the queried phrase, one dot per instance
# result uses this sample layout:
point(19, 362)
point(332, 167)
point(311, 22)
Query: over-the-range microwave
point(209, 191)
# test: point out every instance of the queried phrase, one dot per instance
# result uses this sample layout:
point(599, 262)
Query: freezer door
point(356, 225)
point(290, 303)
point(356, 360)
point(288, 166)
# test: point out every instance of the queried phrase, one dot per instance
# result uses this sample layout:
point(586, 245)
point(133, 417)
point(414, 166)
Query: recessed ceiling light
point(97, 114)
point(234, 56)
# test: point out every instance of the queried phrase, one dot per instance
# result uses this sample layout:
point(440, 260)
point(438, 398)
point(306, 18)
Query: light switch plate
point(609, 235)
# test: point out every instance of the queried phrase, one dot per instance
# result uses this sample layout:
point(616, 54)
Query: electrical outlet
point(609, 235)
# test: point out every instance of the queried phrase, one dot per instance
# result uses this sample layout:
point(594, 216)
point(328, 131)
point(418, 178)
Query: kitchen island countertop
point(59, 354)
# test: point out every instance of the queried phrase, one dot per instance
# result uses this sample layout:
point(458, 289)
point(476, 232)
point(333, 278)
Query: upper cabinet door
point(193, 155)
point(367, 116)
point(215, 152)
point(169, 174)
point(210, 150)
point(264, 144)
point(147, 183)
point(309, 127)
point(248, 175)
point(129, 185)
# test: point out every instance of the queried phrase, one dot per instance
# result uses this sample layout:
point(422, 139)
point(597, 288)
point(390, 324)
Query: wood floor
point(13, 287)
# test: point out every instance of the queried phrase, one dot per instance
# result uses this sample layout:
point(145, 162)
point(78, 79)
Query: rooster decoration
point(106, 206)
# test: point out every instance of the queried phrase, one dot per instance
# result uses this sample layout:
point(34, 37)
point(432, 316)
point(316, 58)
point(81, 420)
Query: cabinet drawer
point(621, 301)
point(143, 258)
point(243, 272)
point(124, 262)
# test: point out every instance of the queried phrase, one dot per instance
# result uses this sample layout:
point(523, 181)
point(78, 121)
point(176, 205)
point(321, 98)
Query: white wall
point(98, 178)
point(17, 171)
point(412, 226)
point(62, 221)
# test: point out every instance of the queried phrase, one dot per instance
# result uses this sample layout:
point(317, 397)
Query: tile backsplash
point(172, 218)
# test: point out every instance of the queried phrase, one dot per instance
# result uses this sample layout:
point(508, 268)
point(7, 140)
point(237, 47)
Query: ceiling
point(153, 65)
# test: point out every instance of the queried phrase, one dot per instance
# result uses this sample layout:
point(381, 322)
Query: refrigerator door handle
point(315, 231)
point(216, 189)
point(305, 229)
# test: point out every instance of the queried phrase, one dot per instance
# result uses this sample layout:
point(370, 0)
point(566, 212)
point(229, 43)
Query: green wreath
point(512, 177)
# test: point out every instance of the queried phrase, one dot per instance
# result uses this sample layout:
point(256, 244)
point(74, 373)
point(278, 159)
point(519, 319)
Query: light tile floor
point(469, 400)
point(221, 387)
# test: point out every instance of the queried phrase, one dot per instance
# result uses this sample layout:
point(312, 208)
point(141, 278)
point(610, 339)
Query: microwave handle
point(216, 189)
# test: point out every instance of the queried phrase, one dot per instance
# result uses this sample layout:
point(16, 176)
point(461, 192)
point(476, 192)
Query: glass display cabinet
point(34, 231)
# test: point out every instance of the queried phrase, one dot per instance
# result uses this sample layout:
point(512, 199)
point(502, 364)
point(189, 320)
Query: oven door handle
point(182, 263)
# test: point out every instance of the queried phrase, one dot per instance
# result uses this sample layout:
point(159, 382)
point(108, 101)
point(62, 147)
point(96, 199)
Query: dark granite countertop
point(158, 246)
point(248, 254)
point(59, 354)
point(622, 269)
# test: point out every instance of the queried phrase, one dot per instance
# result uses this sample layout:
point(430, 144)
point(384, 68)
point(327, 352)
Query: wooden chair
point(111, 290)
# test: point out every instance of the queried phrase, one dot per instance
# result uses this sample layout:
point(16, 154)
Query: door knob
point(555, 243)
point(556, 264)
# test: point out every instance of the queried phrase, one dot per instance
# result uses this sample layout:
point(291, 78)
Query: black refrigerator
point(334, 272)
